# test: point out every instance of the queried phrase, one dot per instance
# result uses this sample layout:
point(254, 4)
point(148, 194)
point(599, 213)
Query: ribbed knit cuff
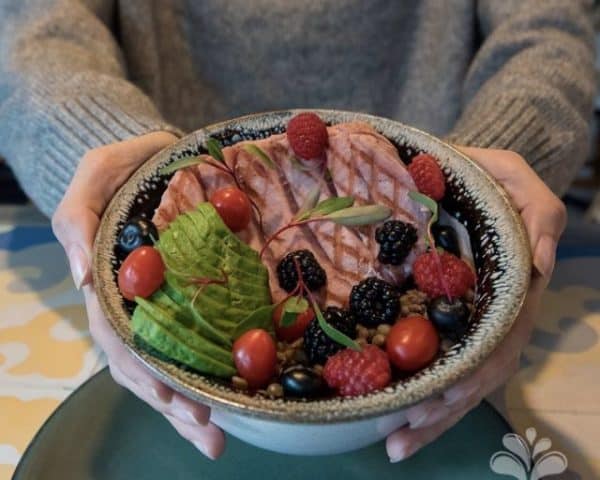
point(77, 126)
point(515, 124)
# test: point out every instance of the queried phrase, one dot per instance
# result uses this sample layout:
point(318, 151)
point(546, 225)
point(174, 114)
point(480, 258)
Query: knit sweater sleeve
point(530, 87)
point(63, 91)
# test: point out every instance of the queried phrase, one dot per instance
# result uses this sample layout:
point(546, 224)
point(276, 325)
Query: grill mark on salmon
point(363, 164)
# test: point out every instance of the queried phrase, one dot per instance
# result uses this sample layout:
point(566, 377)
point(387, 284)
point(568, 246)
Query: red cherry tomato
point(296, 329)
point(255, 357)
point(233, 206)
point(142, 273)
point(412, 343)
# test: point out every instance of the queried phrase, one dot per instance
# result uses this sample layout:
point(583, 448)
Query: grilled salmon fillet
point(360, 163)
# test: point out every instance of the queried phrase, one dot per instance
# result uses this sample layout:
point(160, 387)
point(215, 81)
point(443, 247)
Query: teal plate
point(103, 432)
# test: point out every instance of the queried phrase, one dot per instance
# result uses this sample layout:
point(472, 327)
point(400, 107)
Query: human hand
point(544, 216)
point(99, 174)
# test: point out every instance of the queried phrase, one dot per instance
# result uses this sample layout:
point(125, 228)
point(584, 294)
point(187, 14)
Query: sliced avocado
point(209, 261)
point(161, 339)
point(198, 245)
point(190, 338)
point(195, 321)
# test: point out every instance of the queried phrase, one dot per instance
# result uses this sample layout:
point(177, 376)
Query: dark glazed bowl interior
point(499, 242)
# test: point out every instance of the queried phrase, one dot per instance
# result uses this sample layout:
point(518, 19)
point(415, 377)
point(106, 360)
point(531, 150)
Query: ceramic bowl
point(502, 260)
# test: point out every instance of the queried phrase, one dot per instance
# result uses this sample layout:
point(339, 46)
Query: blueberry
point(446, 238)
point(450, 318)
point(137, 232)
point(303, 382)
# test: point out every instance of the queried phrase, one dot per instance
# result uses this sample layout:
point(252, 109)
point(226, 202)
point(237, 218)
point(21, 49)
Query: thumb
point(75, 229)
point(543, 213)
point(98, 176)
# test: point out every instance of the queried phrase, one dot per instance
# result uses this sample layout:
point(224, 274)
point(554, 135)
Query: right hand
point(99, 175)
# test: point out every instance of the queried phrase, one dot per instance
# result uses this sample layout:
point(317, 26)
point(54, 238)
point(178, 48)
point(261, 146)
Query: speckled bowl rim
point(436, 378)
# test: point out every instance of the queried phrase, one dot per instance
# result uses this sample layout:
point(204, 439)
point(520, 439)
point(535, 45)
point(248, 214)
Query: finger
point(504, 361)
point(113, 164)
point(406, 441)
point(544, 215)
point(209, 439)
point(141, 391)
point(417, 415)
point(189, 411)
point(75, 229)
point(112, 345)
point(511, 170)
point(185, 410)
point(99, 174)
point(496, 370)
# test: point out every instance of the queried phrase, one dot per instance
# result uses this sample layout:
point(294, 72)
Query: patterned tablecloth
point(46, 350)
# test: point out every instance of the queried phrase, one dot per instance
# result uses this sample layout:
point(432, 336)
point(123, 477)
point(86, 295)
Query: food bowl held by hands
point(333, 425)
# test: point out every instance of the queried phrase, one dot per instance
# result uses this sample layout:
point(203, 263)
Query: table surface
point(46, 350)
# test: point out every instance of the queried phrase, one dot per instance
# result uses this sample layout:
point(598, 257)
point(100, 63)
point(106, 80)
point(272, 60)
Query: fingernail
point(205, 450)
point(453, 396)
point(78, 262)
point(402, 452)
point(544, 256)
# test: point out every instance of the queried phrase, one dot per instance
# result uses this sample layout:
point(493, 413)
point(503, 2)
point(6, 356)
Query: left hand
point(544, 216)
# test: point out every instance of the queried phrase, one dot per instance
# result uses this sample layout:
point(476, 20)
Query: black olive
point(137, 232)
point(300, 381)
point(450, 318)
point(446, 238)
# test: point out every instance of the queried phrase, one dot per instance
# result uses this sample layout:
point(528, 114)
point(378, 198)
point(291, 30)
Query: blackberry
point(374, 301)
point(318, 346)
point(312, 273)
point(395, 239)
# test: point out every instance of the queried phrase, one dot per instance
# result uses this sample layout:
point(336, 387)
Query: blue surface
point(22, 237)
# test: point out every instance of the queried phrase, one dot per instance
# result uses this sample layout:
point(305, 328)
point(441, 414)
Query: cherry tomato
point(233, 206)
point(142, 272)
point(255, 357)
point(412, 343)
point(296, 329)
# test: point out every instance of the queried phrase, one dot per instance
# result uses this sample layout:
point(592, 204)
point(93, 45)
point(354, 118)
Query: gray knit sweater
point(77, 74)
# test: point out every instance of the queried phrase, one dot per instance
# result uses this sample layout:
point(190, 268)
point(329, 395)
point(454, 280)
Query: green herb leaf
point(260, 154)
point(331, 205)
point(365, 215)
point(432, 206)
point(179, 164)
point(311, 200)
point(332, 332)
point(292, 307)
point(426, 201)
point(260, 318)
point(214, 149)
point(296, 164)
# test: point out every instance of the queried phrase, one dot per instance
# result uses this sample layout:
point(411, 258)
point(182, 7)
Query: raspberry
point(354, 373)
point(428, 176)
point(457, 274)
point(308, 136)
